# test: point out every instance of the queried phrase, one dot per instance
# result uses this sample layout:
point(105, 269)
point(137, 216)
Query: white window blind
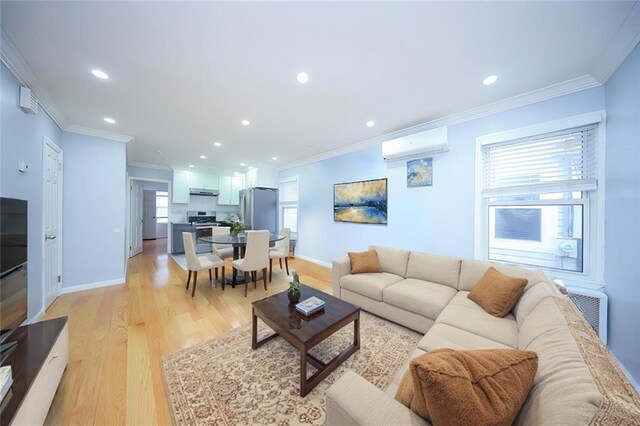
point(563, 161)
point(289, 191)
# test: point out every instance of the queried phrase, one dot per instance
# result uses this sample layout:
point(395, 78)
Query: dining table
point(239, 244)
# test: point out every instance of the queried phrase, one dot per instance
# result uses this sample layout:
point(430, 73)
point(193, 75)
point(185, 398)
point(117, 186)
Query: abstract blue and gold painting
point(360, 202)
point(419, 172)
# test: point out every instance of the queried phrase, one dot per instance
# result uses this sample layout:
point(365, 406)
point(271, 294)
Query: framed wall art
point(361, 202)
point(420, 172)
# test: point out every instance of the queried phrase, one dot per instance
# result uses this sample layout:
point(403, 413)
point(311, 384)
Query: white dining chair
point(256, 257)
point(199, 262)
point(280, 251)
point(223, 251)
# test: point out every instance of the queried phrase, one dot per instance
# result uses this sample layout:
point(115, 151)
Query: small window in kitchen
point(162, 206)
point(289, 203)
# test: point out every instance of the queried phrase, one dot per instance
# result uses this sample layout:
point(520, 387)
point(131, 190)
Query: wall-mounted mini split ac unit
point(593, 305)
point(28, 101)
point(426, 143)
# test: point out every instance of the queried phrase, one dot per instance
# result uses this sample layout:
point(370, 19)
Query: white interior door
point(149, 215)
point(52, 221)
point(135, 245)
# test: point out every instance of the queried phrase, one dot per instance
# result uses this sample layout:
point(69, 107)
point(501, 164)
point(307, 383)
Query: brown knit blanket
point(621, 402)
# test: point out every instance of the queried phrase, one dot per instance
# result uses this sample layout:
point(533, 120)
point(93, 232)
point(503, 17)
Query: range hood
point(204, 192)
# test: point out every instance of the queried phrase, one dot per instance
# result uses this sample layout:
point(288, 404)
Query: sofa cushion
point(437, 269)
point(533, 294)
point(392, 260)
point(397, 378)
point(468, 387)
point(370, 285)
point(472, 270)
point(366, 261)
point(417, 296)
point(472, 318)
point(564, 391)
point(497, 293)
point(447, 336)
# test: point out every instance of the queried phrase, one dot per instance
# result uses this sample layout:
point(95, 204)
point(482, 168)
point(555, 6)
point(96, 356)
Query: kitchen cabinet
point(251, 178)
point(211, 182)
point(197, 180)
point(181, 183)
point(229, 187)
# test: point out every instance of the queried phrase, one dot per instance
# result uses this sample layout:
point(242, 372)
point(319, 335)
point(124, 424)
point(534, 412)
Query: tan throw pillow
point(366, 261)
point(497, 293)
point(477, 387)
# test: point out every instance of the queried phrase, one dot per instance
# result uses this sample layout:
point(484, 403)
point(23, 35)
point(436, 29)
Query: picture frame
point(362, 201)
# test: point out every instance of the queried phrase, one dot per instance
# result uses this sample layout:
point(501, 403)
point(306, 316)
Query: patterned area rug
point(223, 381)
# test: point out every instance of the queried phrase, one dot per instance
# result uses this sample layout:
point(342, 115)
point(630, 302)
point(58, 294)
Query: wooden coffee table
point(306, 332)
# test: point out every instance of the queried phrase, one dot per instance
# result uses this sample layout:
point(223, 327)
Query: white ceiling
point(183, 75)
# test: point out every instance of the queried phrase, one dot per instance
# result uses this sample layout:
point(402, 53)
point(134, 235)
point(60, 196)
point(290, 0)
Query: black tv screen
point(13, 258)
point(13, 233)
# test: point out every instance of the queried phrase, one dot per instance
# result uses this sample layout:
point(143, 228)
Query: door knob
point(49, 237)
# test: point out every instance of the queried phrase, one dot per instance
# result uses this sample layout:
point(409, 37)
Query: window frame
point(593, 203)
point(288, 204)
point(168, 207)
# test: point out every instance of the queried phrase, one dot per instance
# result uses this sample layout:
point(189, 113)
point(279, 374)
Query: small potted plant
point(236, 228)
point(294, 288)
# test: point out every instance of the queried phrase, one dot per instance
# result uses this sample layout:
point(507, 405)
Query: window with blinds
point(289, 203)
point(537, 192)
point(556, 162)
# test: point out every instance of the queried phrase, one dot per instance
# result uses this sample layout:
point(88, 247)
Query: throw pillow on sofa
point(366, 261)
point(497, 293)
point(473, 387)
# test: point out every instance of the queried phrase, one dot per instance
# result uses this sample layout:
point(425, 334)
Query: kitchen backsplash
point(196, 202)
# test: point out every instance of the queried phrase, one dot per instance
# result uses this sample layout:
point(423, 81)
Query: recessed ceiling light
point(100, 74)
point(218, 144)
point(251, 168)
point(302, 77)
point(490, 80)
point(242, 164)
point(274, 158)
point(371, 123)
point(158, 152)
point(110, 120)
point(203, 156)
point(245, 122)
point(191, 165)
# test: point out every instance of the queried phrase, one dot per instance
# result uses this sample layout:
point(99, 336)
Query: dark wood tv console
point(37, 363)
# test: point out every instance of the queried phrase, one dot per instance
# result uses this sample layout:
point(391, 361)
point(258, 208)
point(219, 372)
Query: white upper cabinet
point(181, 184)
point(230, 187)
point(211, 182)
point(197, 180)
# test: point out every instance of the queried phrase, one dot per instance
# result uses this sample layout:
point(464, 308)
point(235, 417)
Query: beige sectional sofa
point(428, 293)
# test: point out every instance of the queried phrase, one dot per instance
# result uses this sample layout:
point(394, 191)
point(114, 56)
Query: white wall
point(21, 139)
point(94, 211)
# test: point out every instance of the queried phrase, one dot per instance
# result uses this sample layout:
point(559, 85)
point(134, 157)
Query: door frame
point(128, 224)
point(48, 142)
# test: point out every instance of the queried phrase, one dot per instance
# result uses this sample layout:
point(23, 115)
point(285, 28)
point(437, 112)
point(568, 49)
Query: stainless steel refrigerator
point(259, 208)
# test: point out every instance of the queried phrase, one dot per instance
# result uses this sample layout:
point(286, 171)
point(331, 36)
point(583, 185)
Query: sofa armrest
point(340, 268)
point(353, 401)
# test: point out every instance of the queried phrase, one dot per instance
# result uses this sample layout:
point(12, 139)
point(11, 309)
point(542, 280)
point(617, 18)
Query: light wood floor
point(118, 335)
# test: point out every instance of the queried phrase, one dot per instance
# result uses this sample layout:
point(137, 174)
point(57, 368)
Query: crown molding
point(88, 131)
point(549, 92)
point(149, 165)
point(623, 42)
point(19, 67)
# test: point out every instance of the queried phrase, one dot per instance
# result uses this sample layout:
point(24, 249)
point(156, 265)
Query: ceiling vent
point(28, 101)
point(427, 143)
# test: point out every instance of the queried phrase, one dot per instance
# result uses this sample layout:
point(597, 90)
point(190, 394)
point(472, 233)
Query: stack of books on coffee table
point(310, 306)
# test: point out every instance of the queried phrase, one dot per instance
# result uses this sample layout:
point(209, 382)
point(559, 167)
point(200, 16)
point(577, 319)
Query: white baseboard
point(312, 260)
point(34, 318)
point(626, 373)
point(91, 286)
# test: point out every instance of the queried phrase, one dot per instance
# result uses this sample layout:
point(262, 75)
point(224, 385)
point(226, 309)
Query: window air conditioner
point(593, 305)
point(427, 143)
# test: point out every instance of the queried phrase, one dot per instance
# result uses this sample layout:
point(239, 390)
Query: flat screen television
point(13, 262)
